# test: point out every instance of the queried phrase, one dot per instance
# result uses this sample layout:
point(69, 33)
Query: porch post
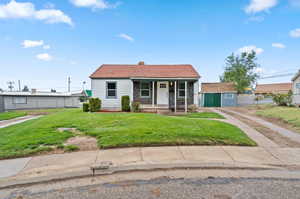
point(153, 87)
point(185, 96)
point(175, 98)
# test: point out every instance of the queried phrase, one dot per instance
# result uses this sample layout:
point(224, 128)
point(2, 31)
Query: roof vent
point(141, 63)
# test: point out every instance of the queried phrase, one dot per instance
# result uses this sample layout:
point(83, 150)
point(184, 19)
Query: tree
point(240, 69)
point(25, 89)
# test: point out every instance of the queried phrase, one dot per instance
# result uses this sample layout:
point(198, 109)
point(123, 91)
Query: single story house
point(171, 87)
point(276, 88)
point(221, 94)
point(38, 100)
point(296, 88)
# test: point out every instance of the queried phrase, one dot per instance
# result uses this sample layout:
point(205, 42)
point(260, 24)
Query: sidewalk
point(58, 165)
point(7, 123)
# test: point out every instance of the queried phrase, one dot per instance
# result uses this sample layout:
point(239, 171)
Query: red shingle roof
point(273, 88)
point(145, 71)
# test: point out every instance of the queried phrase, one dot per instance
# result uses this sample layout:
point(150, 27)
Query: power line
point(275, 76)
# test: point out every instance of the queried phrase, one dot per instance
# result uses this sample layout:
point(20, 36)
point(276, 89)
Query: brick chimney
point(141, 63)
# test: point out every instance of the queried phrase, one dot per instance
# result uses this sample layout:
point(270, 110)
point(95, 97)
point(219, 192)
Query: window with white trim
point(181, 89)
point(145, 89)
point(111, 90)
point(20, 100)
point(297, 88)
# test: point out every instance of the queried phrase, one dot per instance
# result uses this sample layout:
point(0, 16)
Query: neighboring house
point(296, 88)
point(218, 94)
point(276, 88)
point(38, 100)
point(171, 87)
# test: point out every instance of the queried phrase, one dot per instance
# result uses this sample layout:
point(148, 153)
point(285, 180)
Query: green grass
point(291, 115)
point(11, 115)
point(116, 130)
point(204, 115)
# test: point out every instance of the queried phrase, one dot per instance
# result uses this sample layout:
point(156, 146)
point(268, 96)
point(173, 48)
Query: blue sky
point(42, 42)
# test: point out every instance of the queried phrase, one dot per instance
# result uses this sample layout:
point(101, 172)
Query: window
point(162, 85)
point(111, 90)
point(181, 89)
point(20, 100)
point(228, 96)
point(297, 88)
point(145, 89)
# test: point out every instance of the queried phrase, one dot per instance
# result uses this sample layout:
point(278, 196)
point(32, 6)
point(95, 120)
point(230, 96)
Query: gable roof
point(273, 88)
point(145, 71)
point(218, 87)
point(296, 76)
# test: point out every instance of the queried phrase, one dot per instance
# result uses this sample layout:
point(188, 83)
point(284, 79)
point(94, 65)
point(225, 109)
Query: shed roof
point(145, 71)
point(218, 87)
point(273, 88)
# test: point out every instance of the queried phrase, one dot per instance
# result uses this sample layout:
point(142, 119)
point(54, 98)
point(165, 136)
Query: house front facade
point(296, 89)
point(172, 87)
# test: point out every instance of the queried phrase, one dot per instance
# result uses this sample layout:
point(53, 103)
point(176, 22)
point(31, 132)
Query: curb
point(123, 169)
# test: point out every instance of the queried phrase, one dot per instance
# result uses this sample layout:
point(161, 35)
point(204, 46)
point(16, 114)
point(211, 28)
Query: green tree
point(240, 69)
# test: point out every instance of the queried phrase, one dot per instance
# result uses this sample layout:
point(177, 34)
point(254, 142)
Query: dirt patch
point(282, 141)
point(84, 143)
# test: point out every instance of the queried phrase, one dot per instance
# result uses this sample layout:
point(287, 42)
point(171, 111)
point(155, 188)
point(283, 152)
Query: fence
point(245, 100)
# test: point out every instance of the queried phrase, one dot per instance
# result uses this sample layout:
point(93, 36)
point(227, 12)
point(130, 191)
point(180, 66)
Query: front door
point(163, 93)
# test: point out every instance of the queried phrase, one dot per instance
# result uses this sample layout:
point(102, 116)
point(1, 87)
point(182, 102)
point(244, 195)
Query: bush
point(125, 103)
point(86, 107)
point(193, 108)
point(283, 99)
point(95, 104)
point(136, 106)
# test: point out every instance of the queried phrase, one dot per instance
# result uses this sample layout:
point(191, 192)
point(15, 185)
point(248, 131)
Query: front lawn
point(11, 115)
point(204, 115)
point(290, 115)
point(116, 130)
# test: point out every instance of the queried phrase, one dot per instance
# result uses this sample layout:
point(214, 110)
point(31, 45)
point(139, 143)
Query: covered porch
point(164, 94)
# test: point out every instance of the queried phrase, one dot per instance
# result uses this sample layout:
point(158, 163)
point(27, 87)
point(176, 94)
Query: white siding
point(196, 93)
point(124, 87)
point(296, 91)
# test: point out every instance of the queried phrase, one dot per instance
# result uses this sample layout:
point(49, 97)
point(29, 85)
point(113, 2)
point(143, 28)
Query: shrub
point(70, 148)
point(283, 99)
point(136, 106)
point(125, 103)
point(95, 104)
point(86, 107)
point(193, 108)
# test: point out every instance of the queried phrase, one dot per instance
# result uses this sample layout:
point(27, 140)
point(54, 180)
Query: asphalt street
point(165, 187)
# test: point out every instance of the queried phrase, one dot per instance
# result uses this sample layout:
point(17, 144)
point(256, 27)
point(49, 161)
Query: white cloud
point(260, 5)
point(102, 4)
point(46, 47)
point(31, 43)
point(26, 10)
point(44, 57)
point(295, 33)
point(256, 18)
point(125, 36)
point(249, 49)
point(278, 45)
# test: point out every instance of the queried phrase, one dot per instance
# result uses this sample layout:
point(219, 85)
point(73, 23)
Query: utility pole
point(10, 85)
point(19, 83)
point(69, 84)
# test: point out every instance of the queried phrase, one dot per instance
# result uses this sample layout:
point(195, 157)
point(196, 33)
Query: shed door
point(212, 100)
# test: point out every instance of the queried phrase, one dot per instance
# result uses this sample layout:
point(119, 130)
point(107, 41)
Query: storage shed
point(218, 95)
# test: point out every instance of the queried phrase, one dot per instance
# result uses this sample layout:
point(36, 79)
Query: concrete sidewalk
point(61, 164)
point(7, 123)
